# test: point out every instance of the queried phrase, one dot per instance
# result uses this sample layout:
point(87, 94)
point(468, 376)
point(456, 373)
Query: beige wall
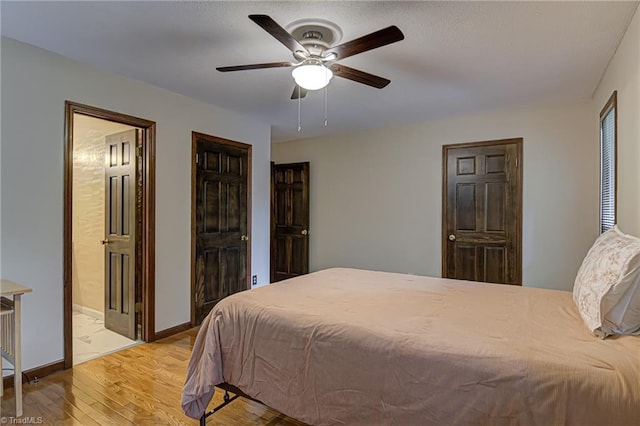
point(623, 75)
point(35, 83)
point(88, 208)
point(376, 195)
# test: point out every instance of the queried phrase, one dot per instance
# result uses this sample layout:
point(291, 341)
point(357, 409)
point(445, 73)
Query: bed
point(355, 347)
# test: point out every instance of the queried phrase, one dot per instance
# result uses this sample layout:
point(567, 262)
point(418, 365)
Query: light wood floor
point(140, 386)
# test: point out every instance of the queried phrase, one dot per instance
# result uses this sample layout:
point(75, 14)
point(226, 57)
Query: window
point(608, 138)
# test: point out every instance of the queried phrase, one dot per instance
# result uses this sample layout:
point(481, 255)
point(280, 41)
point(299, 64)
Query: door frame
point(148, 217)
point(272, 222)
point(194, 149)
point(518, 142)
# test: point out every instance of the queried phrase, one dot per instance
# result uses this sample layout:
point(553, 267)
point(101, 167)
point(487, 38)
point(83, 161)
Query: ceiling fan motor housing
point(316, 35)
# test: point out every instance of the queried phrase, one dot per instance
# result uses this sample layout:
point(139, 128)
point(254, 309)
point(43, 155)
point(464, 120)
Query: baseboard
point(37, 372)
point(88, 311)
point(163, 334)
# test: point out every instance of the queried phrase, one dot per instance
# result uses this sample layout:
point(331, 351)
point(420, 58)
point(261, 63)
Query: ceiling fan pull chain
point(326, 96)
point(299, 100)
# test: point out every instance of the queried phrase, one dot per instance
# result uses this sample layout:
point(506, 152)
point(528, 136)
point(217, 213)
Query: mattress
point(355, 347)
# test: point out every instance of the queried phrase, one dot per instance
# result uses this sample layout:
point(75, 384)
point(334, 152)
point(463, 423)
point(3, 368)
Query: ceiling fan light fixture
point(312, 75)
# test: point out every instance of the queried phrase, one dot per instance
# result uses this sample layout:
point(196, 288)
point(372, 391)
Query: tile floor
point(91, 340)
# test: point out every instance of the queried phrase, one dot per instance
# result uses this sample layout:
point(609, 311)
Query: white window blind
point(608, 166)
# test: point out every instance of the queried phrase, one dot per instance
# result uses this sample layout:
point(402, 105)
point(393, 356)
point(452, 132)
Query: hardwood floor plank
point(111, 394)
point(141, 385)
point(92, 394)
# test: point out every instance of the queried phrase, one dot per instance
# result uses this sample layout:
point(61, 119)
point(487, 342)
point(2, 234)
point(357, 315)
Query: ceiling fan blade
point(255, 66)
point(359, 76)
point(282, 35)
point(371, 41)
point(298, 92)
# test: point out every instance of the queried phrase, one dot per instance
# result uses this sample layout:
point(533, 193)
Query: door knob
point(105, 242)
point(452, 237)
point(304, 232)
point(244, 238)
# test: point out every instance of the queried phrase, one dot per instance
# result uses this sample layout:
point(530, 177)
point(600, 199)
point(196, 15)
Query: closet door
point(482, 211)
point(289, 220)
point(220, 235)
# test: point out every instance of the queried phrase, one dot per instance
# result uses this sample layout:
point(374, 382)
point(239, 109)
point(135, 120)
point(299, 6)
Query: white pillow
point(607, 287)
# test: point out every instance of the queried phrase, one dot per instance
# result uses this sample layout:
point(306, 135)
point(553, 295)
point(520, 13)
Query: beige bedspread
point(354, 347)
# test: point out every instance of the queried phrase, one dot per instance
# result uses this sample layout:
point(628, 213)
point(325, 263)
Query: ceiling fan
point(316, 60)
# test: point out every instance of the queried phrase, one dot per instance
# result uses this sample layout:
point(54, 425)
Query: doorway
point(289, 220)
point(220, 218)
point(482, 211)
point(108, 232)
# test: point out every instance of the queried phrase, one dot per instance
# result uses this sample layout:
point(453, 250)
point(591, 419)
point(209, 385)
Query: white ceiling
point(457, 57)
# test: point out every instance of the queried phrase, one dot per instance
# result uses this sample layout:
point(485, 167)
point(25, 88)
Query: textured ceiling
point(457, 57)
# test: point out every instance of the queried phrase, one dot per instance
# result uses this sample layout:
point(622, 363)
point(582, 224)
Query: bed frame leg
point(228, 399)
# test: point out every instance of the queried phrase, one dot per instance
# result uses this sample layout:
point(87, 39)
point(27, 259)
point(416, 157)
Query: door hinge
point(197, 158)
point(516, 162)
point(139, 151)
point(137, 307)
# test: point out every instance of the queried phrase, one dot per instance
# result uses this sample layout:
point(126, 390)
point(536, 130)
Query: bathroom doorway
point(108, 290)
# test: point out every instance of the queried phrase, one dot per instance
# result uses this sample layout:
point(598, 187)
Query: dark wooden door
point(221, 222)
point(482, 211)
point(289, 220)
point(120, 232)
